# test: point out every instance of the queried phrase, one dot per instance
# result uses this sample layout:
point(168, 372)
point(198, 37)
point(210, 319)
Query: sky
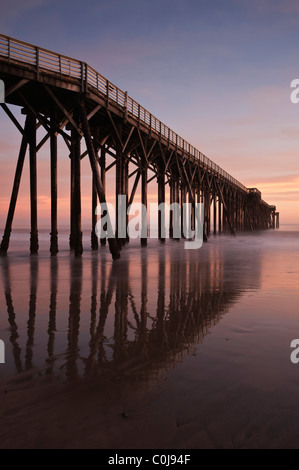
point(216, 72)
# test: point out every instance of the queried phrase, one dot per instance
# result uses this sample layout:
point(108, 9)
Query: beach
point(165, 348)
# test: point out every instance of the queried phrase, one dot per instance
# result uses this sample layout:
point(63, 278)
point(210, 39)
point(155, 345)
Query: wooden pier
point(68, 98)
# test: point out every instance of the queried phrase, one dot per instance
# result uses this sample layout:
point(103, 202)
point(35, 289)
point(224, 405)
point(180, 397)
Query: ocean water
point(164, 348)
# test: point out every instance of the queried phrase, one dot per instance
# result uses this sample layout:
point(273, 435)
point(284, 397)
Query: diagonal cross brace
point(113, 246)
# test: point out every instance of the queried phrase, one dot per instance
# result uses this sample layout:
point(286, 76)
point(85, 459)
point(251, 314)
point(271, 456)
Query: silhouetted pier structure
point(69, 98)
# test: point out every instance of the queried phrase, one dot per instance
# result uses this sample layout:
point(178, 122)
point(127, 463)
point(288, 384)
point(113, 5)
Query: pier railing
point(43, 60)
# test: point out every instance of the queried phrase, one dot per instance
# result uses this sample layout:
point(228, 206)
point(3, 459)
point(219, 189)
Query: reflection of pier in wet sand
point(181, 349)
point(143, 315)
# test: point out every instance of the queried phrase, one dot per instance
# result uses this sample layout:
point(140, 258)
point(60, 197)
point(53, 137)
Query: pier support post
point(53, 157)
point(183, 201)
point(125, 192)
point(72, 189)
point(76, 193)
point(224, 219)
point(33, 183)
point(174, 199)
point(15, 190)
point(197, 195)
point(219, 215)
point(237, 215)
point(118, 192)
point(177, 201)
point(94, 203)
point(241, 215)
point(215, 213)
point(171, 201)
point(161, 200)
point(192, 208)
point(143, 240)
point(208, 213)
point(103, 180)
point(205, 220)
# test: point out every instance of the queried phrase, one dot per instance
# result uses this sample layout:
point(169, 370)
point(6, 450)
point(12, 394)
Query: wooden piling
point(205, 219)
point(219, 215)
point(76, 196)
point(94, 203)
point(183, 201)
point(177, 201)
point(125, 192)
point(171, 201)
point(103, 181)
point(33, 183)
point(161, 213)
point(53, 158)
point(215, 214)
point(224, 219)
point(118, 192)
point(72, 190)
point(192, 209)
point(143, 240)
point(15, 190)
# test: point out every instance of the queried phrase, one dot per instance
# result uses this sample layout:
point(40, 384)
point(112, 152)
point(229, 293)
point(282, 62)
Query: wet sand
point(165, 349)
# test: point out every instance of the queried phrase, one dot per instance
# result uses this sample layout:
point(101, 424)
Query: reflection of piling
point(107, 292)
point(121, 313)
point(94, 291)
point(52, 313)
point(159, 322)
point(144, 299)
point(11, 315)
point(93, 311)
point(32, 312)
point(97, 351)
point(74, 317)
